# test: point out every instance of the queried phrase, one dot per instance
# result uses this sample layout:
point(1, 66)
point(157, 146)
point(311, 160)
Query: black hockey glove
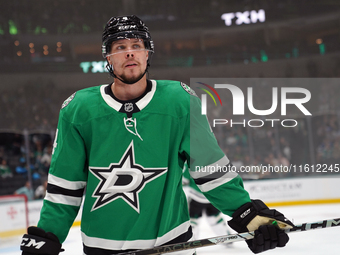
point(256, 216)
point(37, 241)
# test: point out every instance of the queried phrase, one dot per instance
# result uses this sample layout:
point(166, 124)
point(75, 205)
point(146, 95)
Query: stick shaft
point(229, 238)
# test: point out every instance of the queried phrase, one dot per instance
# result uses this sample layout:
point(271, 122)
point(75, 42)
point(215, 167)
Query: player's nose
point(129, 54)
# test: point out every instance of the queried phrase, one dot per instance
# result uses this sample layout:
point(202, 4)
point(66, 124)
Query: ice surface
point(314, 242)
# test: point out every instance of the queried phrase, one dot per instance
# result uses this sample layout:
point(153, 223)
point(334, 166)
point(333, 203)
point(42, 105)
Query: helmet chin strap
point(110, 69)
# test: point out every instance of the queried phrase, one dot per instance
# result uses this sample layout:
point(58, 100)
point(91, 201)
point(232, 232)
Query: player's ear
point(108, 60)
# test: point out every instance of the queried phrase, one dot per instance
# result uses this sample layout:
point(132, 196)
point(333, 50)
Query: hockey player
point(120, 149)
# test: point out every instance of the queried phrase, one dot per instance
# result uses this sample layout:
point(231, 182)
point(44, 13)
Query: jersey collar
point(141, 103)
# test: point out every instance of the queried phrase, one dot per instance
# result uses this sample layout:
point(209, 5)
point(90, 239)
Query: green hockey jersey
point(127, 158)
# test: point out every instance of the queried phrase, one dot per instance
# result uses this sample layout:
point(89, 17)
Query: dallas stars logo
point(123, 180)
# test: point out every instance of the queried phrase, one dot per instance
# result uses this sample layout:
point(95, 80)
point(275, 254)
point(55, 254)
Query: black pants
point(196, 209)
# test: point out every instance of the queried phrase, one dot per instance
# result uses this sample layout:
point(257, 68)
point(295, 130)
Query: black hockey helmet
point(124, 27)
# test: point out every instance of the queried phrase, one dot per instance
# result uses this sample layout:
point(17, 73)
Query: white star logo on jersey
point(123, 180)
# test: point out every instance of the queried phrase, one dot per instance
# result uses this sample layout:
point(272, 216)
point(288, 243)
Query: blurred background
point(49, 49)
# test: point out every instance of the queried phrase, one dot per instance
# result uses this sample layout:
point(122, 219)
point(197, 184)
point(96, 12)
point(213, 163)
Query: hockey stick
point(229, 239)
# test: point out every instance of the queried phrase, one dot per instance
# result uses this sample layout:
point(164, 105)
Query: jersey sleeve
point(209, 166)
point(66, 180)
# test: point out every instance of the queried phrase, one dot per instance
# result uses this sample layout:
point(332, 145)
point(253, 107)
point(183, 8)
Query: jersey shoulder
point(179, 95)
point(176, 94)
point(175, 89)
point(81, 102)
point(81, 96)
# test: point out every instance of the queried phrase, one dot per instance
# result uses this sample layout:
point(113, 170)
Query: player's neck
point(125, 92)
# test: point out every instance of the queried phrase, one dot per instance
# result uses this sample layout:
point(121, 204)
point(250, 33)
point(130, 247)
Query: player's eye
point(120, 47)
point(137, 46)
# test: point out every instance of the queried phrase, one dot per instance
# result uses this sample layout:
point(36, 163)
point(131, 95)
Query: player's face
point(128, 58)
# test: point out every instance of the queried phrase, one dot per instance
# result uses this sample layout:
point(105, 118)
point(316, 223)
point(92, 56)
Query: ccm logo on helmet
point(127, 27)
point(28, 242)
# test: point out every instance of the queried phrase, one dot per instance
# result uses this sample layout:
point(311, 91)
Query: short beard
point(131, 80)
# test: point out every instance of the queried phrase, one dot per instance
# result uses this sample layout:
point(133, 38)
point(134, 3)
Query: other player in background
point(126, 143)
point(200, 205)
